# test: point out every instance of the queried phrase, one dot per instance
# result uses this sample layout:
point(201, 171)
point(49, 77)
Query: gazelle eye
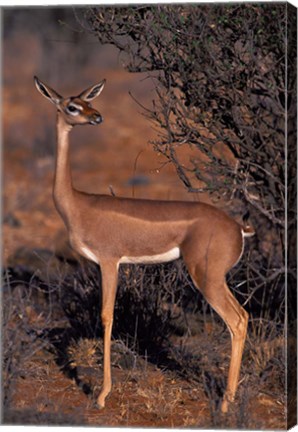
point(72, 109)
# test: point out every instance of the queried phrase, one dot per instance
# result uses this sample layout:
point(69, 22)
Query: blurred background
point(52, 44)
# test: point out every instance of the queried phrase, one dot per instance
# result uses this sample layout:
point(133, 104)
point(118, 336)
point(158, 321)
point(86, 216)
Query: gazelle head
point(75, 110)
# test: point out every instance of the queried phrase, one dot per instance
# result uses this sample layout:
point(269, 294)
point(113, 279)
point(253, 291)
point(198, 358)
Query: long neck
point(63, 189)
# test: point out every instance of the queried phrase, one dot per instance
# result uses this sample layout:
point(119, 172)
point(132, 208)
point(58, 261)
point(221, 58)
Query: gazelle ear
point(92, 92)
point(47, 92)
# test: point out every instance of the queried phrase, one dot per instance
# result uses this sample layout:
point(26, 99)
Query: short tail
point(246, 228)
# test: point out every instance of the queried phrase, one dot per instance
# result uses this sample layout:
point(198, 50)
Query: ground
point(46, 390)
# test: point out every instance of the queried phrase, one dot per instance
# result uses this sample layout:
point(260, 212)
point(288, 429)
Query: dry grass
point(169, 358)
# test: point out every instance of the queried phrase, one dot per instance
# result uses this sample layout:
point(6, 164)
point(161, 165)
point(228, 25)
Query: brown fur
point(106, 228)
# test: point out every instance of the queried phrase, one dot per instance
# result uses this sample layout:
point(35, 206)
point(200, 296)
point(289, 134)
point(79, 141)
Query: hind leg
point(236, 319)
point(218, 295)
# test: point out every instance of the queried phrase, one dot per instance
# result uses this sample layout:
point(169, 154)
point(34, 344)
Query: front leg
point(109, 279)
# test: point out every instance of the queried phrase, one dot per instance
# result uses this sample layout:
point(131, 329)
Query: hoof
point(224, 406)
point(96, 405)
point(100, 402)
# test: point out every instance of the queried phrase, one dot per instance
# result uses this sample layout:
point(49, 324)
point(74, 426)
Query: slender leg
point(224, 303)
point(236, 319)
point(109, 274)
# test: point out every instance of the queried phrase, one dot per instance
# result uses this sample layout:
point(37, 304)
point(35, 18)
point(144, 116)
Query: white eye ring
point(72, 109)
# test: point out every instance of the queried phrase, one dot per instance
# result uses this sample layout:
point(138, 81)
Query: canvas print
point(149, 215)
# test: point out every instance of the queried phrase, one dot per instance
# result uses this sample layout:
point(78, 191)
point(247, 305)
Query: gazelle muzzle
point(96, 119)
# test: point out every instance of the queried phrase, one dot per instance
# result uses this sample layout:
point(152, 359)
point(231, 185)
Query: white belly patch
point(171, 255)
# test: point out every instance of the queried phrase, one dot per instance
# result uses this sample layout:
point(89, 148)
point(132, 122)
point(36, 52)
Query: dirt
point(117, 156)
point(143, 395)
point(139, 398)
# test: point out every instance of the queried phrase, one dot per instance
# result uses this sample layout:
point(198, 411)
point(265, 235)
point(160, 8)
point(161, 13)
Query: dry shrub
point(156, 315)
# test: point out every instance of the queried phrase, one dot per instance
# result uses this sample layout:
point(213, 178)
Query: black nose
point(96, 119)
